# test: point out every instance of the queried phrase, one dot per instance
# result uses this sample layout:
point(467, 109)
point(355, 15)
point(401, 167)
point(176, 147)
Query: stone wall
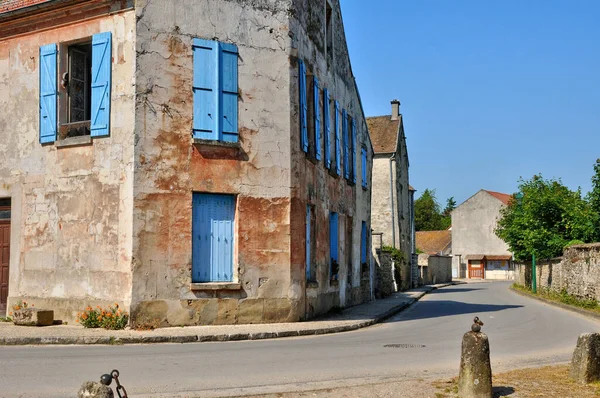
point(384, 271)
point(71, 205)
point(577, 272)
point(435, 269)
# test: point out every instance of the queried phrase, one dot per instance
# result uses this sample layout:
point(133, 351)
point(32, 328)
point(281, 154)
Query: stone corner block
point(585, 364)
point(33, 317)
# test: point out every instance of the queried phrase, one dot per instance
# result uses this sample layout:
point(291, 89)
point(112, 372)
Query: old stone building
point(201, 162)
point(393, 198)
point(477, 251)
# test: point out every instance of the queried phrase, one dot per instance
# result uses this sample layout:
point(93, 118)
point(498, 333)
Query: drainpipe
point(392, 202)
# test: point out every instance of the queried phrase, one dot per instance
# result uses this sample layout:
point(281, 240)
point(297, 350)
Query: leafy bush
point(112, 318)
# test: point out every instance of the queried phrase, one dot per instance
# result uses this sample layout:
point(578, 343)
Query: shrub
point(112, 318)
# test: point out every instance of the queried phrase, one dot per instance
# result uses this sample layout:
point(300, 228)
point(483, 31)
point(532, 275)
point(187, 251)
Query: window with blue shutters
point(353, 151)
point(303, 106)
point(215, 89)
point(317, 114)
point(334, 266)
point(345, 138)
point(338, 167)
point(327, 128)
point(82, 99)
point(363, 156)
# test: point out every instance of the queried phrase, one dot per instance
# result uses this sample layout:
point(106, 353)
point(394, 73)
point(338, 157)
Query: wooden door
point(475, 269)
point(4, 260)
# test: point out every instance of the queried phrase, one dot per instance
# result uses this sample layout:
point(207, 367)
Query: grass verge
point(560, 297)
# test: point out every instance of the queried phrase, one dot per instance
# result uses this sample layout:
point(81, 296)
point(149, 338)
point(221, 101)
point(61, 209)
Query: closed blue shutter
point(101, 72)
point(353, 143)
point(228, 64)
point(303, 106)
point(364, 167)
point(205, 89)
point(307, 243)
point(212, 234)
point(327, 128)
point(345, 138)
point(48, 93)
point(338, 167)
point(363, 243)
point(316, 97)
point(333, 240)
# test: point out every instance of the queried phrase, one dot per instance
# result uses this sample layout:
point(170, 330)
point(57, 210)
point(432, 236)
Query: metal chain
point(120, 389)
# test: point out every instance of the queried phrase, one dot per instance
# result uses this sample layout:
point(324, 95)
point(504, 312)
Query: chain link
point(120, 389)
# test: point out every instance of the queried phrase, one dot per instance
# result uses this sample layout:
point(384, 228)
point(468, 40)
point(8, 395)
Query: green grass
point(7, 319)
point(561, 297)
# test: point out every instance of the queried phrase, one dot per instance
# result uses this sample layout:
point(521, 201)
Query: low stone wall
point(384, 278)
point(577, 272)
point(435, 269)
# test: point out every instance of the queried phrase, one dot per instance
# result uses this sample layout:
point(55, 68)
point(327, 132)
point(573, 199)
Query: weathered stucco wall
point(71, 206)
point(577, 272)
point(311, 182)
point(169, 168)
point(434, 269)
point(381, 203)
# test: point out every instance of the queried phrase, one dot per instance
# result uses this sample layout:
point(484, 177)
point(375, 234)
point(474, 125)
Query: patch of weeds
point(5, 319)
point(145, 323)
point(561, 297)
point(114, 341)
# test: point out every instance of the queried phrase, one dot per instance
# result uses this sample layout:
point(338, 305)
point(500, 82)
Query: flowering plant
point(112, 317)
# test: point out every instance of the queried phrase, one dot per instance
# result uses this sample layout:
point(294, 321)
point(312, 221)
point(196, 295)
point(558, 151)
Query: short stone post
point(92, 389)
point(475, 377)
point(585, 364)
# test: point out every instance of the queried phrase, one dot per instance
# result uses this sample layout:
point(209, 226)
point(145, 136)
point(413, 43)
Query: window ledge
point(333, 173)
point(312, 284)
point(235, 145)
point(74, 141)
point(216, 286)
point(365, 188)
point(333, 282)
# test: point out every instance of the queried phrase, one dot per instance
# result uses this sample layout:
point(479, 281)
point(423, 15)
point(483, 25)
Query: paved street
point(425, 341)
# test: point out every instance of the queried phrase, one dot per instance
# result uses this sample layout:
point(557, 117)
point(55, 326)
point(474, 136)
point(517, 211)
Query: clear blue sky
point(490, 90)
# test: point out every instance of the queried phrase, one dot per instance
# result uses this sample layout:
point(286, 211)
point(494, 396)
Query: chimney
point(395, 109)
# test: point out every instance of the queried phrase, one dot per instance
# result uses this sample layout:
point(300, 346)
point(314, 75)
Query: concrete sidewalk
point(353, 318)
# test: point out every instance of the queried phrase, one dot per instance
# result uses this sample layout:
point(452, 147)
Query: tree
point(446, 218)
point(548, 217)
point(593, 198)
point(427, 212)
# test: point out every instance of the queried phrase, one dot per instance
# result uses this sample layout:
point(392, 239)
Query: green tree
point(427, 212)
point(593, 198)
point(548, 217)
point(446, 218)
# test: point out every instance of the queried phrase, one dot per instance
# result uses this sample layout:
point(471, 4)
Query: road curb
point(116, 340)
point(567, 307)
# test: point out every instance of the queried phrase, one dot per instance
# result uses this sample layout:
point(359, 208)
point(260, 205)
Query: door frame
point(471, 269)
point(4, 308)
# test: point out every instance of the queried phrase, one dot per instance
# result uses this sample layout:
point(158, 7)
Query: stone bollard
point(92, 389)
point(475, 377)
point(585, 364)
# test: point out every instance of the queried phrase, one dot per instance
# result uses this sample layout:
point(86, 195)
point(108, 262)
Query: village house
point(203, 162)
point(477, 251)
point(392, 208)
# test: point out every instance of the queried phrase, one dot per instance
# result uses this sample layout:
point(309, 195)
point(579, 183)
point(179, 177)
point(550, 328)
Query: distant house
point(392, 207)
point(477, 251)
point(434, 242)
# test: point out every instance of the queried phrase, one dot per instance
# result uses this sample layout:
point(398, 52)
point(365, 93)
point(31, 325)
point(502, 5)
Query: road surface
point(421, 341)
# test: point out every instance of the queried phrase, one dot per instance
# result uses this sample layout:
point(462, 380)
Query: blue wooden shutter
point(307, 242)
point(364, 166)
point(212, 233)
point(345, 138)
point(327, 128)
point(353, 143)
point(101, 72)
point(303, 106)
point(316, 98)
point(205, 89)
point(228, 65)
point(338, 167)
point(333, 239)
point(48, 93)
point(363, 243)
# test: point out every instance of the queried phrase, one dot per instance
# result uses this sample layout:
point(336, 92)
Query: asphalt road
point(421, 341)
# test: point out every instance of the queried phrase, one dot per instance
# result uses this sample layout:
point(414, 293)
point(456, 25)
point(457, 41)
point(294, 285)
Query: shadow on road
point(454, 290)
point(441, 308)
point(502, 391)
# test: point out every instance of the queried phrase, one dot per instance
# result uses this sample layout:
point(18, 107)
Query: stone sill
point(333, 173)
point(74, 141)
point(223, 144)
point(312, 284)
point(215, 286)
point(334, 282)
point(365, 188)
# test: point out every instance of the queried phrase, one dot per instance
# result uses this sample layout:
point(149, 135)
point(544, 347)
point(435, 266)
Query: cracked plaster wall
point(311, 181)
point(71, 207)
point(169, 168)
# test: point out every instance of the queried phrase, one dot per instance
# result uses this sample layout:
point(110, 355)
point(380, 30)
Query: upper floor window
point(363, 153)
point(85, 85)
point(215, 88)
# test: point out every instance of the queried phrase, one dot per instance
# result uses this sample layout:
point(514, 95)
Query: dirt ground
point(548, 381)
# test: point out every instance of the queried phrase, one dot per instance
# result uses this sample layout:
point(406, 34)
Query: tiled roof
point(384, 133)
point(10, 5)
point(502, 197)
point(433, 242)
point(410, 188)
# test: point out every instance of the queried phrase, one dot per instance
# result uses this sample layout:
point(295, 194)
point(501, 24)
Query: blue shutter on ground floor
point(48, 93)
point(327, 128)
point(213, 223)
point(101, 81)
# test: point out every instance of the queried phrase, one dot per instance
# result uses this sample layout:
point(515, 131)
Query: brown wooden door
point(4, 258)
point(475, 269)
